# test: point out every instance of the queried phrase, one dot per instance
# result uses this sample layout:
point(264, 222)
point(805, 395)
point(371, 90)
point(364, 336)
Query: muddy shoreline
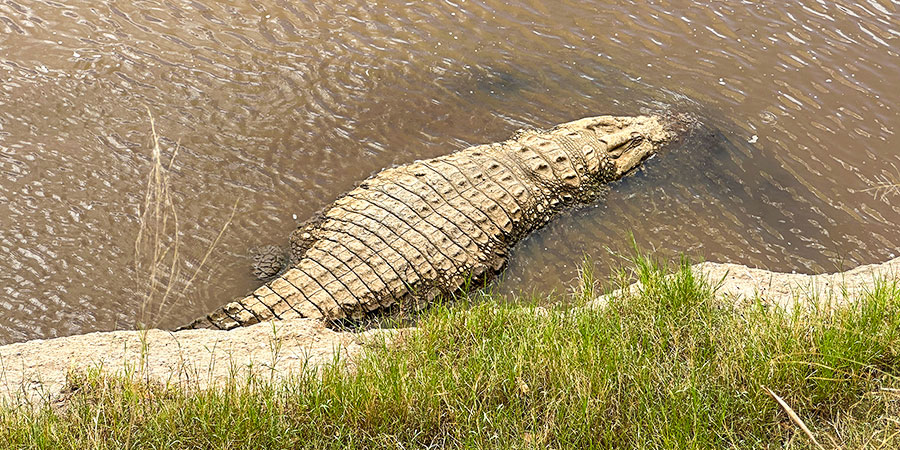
point(36, 370)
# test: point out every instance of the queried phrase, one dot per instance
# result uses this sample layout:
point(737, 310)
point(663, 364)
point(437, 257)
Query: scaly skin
point(411, 233)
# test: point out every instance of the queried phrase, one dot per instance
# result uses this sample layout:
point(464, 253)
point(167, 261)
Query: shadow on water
point(711, 165)
point(767, 201)
point(486, 79)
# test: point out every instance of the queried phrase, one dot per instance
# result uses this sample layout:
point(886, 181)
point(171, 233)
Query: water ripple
point(284, 105)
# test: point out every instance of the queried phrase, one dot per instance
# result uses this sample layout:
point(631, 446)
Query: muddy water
point(279, 106)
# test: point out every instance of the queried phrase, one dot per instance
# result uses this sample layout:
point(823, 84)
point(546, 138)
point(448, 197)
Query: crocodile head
point(623, 143)
point(602, 149)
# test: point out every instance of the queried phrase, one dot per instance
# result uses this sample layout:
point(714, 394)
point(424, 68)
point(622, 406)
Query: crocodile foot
point(268, 261)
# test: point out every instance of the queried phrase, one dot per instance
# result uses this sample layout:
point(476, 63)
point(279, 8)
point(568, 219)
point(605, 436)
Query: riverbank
point(682, 360)
point(36, 371)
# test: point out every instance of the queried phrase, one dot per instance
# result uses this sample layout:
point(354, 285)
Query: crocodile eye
point(636, 140)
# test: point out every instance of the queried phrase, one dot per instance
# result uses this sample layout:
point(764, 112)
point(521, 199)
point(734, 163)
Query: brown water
point(283, 105)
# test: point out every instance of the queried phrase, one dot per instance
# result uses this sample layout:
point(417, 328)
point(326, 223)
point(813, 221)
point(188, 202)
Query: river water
point(279, 106)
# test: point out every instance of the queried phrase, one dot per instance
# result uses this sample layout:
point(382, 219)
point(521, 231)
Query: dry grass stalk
point(884, 185)
point(158, 260)
point(794, 417)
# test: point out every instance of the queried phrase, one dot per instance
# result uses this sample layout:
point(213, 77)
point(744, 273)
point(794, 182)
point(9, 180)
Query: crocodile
point(412, 233)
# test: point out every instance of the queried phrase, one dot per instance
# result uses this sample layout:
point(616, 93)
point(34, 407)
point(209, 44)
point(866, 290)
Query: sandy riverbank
point(37, 369)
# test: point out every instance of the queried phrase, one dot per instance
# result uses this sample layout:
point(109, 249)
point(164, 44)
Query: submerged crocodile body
point(411, 233)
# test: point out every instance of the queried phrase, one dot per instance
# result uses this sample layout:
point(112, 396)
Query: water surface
point(281, 106)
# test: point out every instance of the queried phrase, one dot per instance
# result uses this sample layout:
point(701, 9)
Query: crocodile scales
point(411, 233)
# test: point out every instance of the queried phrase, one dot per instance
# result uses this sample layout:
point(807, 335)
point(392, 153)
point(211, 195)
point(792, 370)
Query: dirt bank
point(742, 284)
point(37, 369)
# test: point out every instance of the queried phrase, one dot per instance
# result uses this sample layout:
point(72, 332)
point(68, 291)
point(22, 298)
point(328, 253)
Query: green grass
point(666, 367)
